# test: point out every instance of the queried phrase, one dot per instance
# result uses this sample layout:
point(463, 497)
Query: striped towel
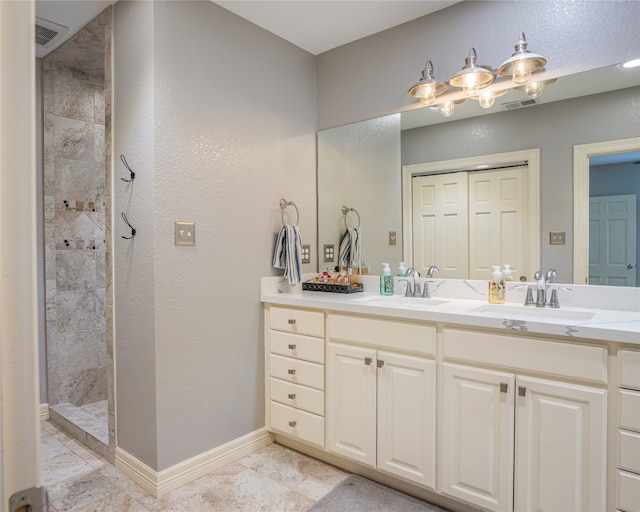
point(349, 245)
point(288, 253)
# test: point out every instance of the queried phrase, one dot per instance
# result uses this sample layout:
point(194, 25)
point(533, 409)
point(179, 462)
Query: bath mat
point(358, 494)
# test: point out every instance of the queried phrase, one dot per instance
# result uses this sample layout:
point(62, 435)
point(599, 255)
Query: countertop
point(592, 312)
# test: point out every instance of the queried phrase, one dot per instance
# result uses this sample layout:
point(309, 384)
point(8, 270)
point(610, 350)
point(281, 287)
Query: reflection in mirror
point(614, 185)
point(554, 126)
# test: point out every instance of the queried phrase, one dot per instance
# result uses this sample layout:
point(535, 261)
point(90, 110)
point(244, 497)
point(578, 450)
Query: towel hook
point(346, 210)
point(133, 174)
point(283, 206)
point(126, 221)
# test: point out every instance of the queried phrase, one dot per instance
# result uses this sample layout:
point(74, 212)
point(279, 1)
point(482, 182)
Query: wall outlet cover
point(306, 253)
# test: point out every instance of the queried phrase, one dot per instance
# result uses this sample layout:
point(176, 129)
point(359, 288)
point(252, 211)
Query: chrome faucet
point(432, 269)
point(415, 290)
point(543, 281)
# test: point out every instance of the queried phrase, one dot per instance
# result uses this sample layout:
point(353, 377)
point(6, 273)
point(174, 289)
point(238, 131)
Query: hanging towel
point(349, 246)
point(288, 253)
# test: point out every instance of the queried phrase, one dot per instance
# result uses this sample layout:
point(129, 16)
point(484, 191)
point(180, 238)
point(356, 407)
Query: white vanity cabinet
point(381, 395)
point(295, 373)
point(628, 432)
point(515, 439)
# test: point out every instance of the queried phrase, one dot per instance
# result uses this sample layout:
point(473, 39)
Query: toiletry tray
point(333, 288)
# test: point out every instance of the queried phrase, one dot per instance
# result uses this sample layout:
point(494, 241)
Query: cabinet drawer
point(628, 498)
point(629, 369)
point(296, 371)
point(579, 361)
point(629, 450)
point(296, 423)
point(297, 321)
point(297, 346)
point(629, 409)
point(385, 334)
point(294, 395)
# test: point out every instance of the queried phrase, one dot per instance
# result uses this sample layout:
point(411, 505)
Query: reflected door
point(612, 240)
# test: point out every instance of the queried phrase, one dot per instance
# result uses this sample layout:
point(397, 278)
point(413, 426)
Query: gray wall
point(217, 118)
point(554, 128)
point(370, 77)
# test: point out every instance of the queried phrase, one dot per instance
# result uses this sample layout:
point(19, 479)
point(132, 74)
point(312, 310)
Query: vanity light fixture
point(534, 89)
point(447, 108)
point(427, 88)
point(486, 99)
point(472, 77)
point(522, 63)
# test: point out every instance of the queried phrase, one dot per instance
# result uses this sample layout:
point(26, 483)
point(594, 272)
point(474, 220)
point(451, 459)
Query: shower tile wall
point(75, 256)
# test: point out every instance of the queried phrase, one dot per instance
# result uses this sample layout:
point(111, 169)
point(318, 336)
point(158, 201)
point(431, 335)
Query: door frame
point(531, 156)
point(581, 155)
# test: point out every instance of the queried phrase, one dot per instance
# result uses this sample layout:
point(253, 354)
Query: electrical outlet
point(306, 253)
point(185, 233)
point(329, 253)
point(392, 238)
point(557, 237)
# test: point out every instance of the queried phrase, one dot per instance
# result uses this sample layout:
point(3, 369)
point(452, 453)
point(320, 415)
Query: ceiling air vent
point(519, 104)
point(48, 33)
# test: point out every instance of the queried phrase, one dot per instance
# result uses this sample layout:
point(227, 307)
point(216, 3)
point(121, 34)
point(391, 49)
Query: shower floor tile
point(91, 418)
point(274, 478)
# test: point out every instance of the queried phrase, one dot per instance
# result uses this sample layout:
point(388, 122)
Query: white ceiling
point(314, 25)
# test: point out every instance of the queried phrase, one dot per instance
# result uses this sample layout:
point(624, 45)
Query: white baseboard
point(44, 412)
point(161, 482)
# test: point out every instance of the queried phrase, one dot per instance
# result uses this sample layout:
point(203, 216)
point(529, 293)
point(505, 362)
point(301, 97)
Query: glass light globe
point(521, 73)
point(447, 108)
point(486, 99)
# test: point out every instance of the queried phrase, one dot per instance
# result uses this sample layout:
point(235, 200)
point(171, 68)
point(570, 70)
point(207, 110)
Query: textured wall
point(227, 129)
point(370, 77)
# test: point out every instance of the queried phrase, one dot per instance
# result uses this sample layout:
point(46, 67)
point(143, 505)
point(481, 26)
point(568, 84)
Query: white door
point(612, 240)
point(351, 402)
point(498, 221)
point(440, 224)
point(478, 436)
point(407, 417)
point(561, 441)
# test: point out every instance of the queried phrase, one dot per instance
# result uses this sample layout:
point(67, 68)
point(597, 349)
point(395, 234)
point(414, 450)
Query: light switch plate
point(306, 253)
point(557, 237)
point(329, 253)
point(392, 238)
point(185, 233)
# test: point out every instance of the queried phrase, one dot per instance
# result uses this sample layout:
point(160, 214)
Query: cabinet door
point(351, 402)
point(561, 432)
point(478, 436)
point(407, 417)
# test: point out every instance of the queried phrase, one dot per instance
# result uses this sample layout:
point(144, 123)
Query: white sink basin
point(398, 301)
point(508, 311)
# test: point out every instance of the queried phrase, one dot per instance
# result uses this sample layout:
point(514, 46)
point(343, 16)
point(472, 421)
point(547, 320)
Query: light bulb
point(470, 86)
point(534, 90)
point(486, 99)
point(447, 108)
point(521, 73)
point(428, 95)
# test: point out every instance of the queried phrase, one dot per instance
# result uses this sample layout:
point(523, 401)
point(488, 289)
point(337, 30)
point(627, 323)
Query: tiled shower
point(77, 202)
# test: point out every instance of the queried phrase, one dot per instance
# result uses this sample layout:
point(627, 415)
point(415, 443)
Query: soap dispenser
point(386, 280)
point(496, 287)
point(402, 271)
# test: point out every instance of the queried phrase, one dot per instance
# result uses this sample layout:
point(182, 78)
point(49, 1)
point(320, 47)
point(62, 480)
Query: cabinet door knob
point(291, 371)
point(292, 346)
point(292, 396)
point(367, 361)
point(380, 363)
point(291, 321)
point(292, 424)
point(522, 391)
point(504, 387)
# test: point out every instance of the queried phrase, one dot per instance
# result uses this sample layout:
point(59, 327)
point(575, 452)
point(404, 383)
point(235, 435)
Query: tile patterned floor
point(91, 418)
point(273, 479)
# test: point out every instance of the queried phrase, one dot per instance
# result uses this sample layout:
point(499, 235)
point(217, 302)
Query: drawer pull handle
point(380, 363)
point(367, 361)
point(292, 424)
point(504, 387)
point(522, 391)
point(292, 396)
point(291, 321)
point(292, 346)
point(291, 371)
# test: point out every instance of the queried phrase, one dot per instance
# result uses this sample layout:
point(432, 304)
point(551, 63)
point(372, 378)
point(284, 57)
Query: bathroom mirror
point(361, 164)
